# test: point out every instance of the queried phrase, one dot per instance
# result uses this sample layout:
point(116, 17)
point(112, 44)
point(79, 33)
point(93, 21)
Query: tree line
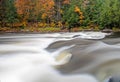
point(60, 13)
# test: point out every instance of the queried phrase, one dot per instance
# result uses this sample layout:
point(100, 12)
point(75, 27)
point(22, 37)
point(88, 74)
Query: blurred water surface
point(59, 57)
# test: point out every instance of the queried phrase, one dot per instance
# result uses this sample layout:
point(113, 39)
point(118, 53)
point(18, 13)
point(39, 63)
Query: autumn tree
point(47, 9)
point(24, 7)
point(35, 9)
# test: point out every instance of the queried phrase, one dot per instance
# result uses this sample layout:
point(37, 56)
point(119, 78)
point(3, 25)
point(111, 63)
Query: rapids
point(59, 57)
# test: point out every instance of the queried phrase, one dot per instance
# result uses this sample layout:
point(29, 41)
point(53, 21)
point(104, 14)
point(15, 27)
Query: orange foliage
point(23, 8)
point(44, 15)
point(45, 7)
point(35, 7)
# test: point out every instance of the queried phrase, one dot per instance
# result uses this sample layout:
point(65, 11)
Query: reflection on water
point(58, 57)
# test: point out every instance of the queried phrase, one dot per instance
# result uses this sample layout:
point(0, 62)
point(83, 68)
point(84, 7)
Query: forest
point(56, 15)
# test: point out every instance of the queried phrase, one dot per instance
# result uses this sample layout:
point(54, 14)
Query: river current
point(59, 57)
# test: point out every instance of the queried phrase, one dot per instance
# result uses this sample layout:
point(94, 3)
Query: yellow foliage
point(49, 29)
point(81, 13)
point(4, 29)
point(81, 21)
point(77, 10)
point(45, 24)
point(24, 24)
point(40, 24)
point(59, 24)
point(52, 24)
point(61, 11)
point(81, 17)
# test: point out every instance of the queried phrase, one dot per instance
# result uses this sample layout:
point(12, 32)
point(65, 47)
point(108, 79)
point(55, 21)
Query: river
point(59, 57)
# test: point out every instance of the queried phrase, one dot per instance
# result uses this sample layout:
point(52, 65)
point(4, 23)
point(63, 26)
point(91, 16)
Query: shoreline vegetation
point(45, 16)
point(52, 29)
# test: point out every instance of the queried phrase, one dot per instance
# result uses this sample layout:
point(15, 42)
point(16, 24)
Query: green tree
point(109, 14)
point(7, 12)
point(70, 16)
point(2, 12)
point(11, 14)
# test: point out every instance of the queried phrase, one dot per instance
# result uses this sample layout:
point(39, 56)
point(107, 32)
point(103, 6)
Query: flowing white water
point(23, 57)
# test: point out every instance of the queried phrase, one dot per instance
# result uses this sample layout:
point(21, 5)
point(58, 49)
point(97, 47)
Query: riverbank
point(50, 30)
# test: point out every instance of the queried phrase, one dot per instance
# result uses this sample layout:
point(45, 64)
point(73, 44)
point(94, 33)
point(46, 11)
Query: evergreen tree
point(110, 14)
